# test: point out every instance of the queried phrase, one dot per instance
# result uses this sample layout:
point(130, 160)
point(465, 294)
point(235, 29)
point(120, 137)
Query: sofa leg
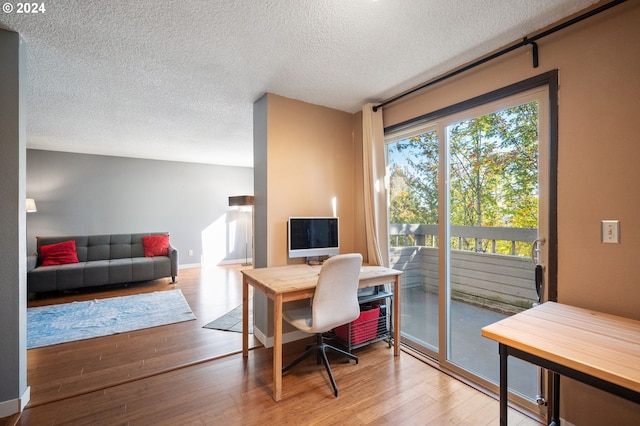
point(173, 279)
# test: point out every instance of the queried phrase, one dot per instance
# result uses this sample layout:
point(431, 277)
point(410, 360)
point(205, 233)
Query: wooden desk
point(598, 349)
point(296, 282)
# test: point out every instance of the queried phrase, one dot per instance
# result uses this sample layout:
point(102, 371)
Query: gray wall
point(260, 164)
point(80, 194)
point(13, 299)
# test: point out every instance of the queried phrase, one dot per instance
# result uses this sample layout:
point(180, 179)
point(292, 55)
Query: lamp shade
point(31, 205)
point(241, 200)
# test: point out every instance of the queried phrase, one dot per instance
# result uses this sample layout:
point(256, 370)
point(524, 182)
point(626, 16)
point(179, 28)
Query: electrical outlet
point(190, 252)
point(611, 231)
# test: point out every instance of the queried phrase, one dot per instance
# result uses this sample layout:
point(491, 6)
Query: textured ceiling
point(176, 80)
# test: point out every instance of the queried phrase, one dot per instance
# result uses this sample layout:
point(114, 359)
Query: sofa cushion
point(96, 273)
point(70, 276)
point(142, 268)
point(120, 271)
point(121, 246)
point(42, 279)
point(155, 245)
point(98, 247)
point(59, 253)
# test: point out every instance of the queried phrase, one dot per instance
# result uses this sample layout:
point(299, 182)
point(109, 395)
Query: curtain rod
point(526, 41)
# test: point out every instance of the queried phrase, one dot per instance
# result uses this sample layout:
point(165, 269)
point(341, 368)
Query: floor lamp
point(30, 207)
point(244, 202)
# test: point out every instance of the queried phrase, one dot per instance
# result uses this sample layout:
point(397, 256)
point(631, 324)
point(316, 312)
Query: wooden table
point(296, 282)
point(598, 349)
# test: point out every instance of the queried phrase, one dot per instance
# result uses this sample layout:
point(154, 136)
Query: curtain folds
point(375, 186)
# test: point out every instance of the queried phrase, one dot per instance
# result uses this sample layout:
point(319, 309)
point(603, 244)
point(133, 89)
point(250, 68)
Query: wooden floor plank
point(160, 376)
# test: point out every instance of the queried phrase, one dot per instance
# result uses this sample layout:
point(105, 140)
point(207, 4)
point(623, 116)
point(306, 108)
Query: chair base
point(320, 348)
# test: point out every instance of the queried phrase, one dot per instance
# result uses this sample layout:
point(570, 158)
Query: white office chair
point(335, 303)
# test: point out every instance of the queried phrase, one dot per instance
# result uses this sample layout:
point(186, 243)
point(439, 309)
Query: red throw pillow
point(155, 245)
point(59, 254)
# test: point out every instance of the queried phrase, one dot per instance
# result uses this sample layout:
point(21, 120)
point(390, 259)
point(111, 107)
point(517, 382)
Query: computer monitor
point(313, 236)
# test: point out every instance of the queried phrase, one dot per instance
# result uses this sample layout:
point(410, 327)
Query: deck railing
point(502, 282)
point(468, 237)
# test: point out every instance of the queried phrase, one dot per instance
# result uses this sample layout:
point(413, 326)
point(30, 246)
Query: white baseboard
point(291, 336)
point(15, 406)
point(222, 262)
point(235, 261)
point(189, 266)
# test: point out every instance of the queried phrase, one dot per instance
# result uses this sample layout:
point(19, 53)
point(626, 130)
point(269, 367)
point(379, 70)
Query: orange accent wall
point(598, 168)
point(310, 162)
point(305, 157)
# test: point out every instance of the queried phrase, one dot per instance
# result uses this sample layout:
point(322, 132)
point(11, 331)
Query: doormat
point(232, 320)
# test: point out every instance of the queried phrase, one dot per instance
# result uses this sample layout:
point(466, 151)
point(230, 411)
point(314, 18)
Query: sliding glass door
point(414, 169)
point(468, 208)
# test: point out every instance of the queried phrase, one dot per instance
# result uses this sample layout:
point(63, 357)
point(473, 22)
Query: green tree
point(492, 173)
point(414, 182)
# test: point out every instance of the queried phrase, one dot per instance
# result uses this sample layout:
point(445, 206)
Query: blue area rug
point(50, 325)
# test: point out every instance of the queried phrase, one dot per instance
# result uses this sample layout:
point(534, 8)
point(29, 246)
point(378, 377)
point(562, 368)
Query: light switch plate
point(611, 231)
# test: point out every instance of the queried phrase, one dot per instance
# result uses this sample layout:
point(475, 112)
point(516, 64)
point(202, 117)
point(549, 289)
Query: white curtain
point(375, 186)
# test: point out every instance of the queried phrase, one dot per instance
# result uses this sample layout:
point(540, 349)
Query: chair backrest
point(335, 301)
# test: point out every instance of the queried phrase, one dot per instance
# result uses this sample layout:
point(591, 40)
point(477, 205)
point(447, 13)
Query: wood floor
point(183, 374)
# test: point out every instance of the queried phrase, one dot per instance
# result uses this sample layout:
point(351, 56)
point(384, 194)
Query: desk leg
point(396, 316)
point(555, 416)
point(504, 385)
point(245, 317)
point(277, 347)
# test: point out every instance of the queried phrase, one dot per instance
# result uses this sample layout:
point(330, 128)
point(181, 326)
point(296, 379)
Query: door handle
point(539, 278)
point(539, 275)
point(535, 249)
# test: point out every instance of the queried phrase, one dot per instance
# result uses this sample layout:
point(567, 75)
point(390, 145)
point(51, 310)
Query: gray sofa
point(103, 259)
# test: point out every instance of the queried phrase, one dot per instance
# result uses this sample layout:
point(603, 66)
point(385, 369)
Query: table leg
point(504, 385)
point(555, 417)
point(277, 347)
point(245, 317)
point(396, 316)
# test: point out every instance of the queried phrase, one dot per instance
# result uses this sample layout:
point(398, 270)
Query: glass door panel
point(413, 164)
point(492, 221)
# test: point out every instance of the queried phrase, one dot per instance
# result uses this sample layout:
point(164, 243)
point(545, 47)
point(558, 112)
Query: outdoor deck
point(485, 287)
point(469, 349)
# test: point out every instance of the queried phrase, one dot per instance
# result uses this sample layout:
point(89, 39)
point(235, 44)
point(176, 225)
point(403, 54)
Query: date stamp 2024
point(24, 8)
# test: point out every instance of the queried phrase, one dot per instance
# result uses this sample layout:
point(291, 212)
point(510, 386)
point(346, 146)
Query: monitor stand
point(316, 260)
